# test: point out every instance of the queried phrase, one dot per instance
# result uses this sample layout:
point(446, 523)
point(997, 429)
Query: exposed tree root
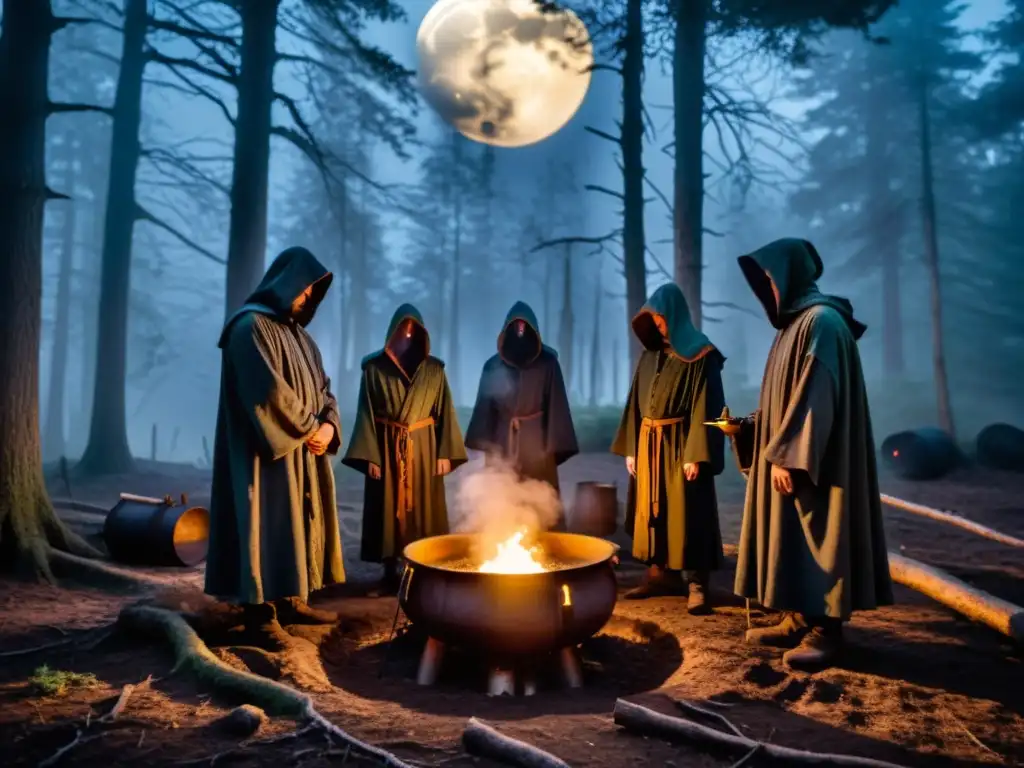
point(192, 655)
point(80, 506)
point(975, 604)
point(953, 519)
point(100, 571)
point(483, 741)
point(647, 722)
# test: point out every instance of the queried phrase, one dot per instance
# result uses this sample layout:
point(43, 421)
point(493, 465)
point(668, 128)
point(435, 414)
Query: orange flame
point(513, 557)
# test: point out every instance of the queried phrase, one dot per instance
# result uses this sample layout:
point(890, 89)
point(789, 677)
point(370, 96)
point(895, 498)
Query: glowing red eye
point(895, 453)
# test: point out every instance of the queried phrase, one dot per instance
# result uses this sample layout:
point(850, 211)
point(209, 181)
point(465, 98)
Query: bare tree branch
point(56, 107)
point(141, 214)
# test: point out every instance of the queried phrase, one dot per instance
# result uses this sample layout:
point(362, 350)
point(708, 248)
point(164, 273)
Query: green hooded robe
point(522, 409)
point(820, 551)
point(676, 387)
point(273, 515)
point(405, 422)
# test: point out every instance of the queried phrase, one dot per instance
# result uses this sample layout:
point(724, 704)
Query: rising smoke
point(494, 503)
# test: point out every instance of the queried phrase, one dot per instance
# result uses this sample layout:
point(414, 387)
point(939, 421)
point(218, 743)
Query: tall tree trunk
point(549, 290)
point(54, 445)
point(617, 371)
point(247, 232)
point(632, 139)
point(107, 451)
point(455, 354)
point(595, 348)
point(566, 331)
point(885, 226)
point(931, 253)
point(688, 173)
point(28, 523)
point(89, 301)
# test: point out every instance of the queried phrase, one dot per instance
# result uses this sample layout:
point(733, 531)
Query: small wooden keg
point(141, 530)
point(595, 510)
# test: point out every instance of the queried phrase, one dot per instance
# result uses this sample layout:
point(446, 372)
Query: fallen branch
point(481, 740)
point(192, 654)
point(717, 716)
point(122, 700)
point(647, 722)
point(953, 519)
point(55, 644)
point(974, 603)
point(77, 742)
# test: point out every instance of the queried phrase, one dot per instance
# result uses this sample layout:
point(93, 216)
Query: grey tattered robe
point(273, 518)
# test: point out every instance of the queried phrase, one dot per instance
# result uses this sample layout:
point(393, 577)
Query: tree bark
point(632, 139)
point(107, 451)
point(247, 232)
point(566, 335)
point(455, 355)
point(28, 523)
point(595, 348)
point(54, 445)
point(931, 253)
point(688, 172)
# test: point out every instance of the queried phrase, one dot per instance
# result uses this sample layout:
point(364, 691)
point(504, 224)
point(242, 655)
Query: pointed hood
point(420, 348)
point(511, 348)
point(783, 275)
point(669, 304)
point(290, 274)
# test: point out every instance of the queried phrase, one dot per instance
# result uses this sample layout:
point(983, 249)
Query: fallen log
point(481, 740)
point(193, 655)
point(974, 603)
point(647, 722)
point(953, 519)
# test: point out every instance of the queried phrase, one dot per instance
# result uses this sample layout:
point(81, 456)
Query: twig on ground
point(746, 758)
point(142, 738)
point(122, 700)
point(691, 707)
point(647, 722)
point(481, 740)
point(970, 735)
point(38, 648)
point(77, 742)
point(63, 632)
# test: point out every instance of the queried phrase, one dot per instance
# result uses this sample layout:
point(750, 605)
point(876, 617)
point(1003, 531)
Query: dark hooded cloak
point(273, 516)
point(676, 387)
point(522, 409)
point(405, 422)
point(820, 551)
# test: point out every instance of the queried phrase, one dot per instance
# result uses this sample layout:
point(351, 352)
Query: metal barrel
point(595, 510)
point(140, 531)
point(1001, 446)
point(921, 454)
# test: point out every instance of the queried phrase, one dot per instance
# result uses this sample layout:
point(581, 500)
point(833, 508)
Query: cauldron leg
point(430, 662)
point(571, 668)
point(529, 682)
point(501, 681)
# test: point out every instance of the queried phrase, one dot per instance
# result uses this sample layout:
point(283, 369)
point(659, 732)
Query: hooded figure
point(812, 543)
point(406, 438)
point(672, 458)
point(522, 410)
point(274, 535)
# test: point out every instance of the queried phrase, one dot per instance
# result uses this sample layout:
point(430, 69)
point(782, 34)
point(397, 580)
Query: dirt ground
point(920, 686)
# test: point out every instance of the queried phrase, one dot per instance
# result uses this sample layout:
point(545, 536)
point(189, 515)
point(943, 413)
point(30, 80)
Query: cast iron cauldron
point(510, 616)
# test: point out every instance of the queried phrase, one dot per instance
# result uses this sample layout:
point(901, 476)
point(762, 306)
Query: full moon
point(503, 72)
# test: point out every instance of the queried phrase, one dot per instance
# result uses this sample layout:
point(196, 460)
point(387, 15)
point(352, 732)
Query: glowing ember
point(513, 557)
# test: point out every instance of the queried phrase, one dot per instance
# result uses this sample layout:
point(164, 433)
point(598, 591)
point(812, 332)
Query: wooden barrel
point(595, 510)
point(154, 532)
point(921, 454)
point(1001, 446)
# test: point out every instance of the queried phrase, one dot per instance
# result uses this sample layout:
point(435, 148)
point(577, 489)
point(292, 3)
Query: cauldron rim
point(410, 554)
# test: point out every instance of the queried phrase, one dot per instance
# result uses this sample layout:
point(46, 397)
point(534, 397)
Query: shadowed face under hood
point(290, 275)
point(408, 342)
point(783, 276)
point(664, 322)
point(516, 349)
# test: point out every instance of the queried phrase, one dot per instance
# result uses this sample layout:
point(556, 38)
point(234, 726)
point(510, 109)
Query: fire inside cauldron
point(532, 597)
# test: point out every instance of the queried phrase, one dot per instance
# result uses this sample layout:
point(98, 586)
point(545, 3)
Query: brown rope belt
point(648, 481)
point(404, 464)
point(515, 424)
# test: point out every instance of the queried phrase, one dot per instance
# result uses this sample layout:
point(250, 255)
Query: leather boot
point(262, 629)
point(658, 583)
point(390, 582)
point(698, 603)
point(292, 610)
point(786, 634)
point(820, 648)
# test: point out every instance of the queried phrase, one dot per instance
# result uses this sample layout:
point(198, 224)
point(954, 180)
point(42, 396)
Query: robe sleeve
point(363, 449)
point(743, 443)
point(559, 433)
point(624, 443)
point(706, 445)
point(330, 415)
point(280, 420)
point(802, 438)
point(447, 433)
point(480, 432)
